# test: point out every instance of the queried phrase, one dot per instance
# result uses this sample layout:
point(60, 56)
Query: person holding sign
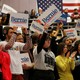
point(44, 59)
point(54, 34)
point(26, 56)
point(14, 49)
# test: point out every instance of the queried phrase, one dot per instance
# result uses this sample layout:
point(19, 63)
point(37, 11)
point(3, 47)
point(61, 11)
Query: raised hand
point(15, 28)
point(25, 30)
point(73, 54)
point(46, 26)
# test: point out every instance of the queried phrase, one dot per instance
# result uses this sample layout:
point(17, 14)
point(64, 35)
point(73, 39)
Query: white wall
point(21, 5)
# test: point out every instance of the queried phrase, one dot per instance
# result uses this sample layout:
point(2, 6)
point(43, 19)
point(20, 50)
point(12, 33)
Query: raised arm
point(41, 42)
point(43, 38)
point(12, 38)
point(28, 44)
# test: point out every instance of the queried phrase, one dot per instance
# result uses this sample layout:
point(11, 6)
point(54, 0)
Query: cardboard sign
point(50, 15)
point(36, 27)
point(19, 20)
point(71, 32)
point(7, 9)
point(25, 59)
point(78, 25)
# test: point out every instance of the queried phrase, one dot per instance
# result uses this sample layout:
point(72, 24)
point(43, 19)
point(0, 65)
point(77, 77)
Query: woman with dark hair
point(65, 64)
point(76, 71)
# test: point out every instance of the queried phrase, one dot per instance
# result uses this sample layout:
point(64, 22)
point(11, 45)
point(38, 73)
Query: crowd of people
point(51, 58)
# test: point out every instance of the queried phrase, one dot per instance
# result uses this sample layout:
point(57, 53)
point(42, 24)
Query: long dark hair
point(76, 45)
point(60, 48)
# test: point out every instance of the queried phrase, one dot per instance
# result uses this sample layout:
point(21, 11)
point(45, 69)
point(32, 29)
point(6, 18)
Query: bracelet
point(15, 33)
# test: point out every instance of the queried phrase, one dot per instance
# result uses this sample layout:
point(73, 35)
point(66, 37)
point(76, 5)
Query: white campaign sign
point(78, 25)
point(19, 20)
point(71, 32)
point(50, 15)
point(25, 59)
point(7, 9)
point(36, 27)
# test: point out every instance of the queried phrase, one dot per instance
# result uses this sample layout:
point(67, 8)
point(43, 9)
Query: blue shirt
point(63, 18)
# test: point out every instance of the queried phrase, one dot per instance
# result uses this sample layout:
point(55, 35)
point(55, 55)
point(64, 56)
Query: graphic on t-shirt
point(49, 60)
point(14, 48)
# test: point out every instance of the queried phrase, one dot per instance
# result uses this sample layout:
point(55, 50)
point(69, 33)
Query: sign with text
point(78, 25)
point(25, 59)
point(7, 9)
point(71, 32)
point(19, 20)
point(36, 27)
point(50, 15)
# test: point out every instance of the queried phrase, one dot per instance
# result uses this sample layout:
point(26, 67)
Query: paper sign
point(68, 19)
point(71, 32)
point(50, 15)
point(36, 27)
point(7, 9)
point(78, 25)
point(19, 20)
point(25, 59)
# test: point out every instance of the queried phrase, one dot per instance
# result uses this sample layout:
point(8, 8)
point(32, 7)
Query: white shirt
point(44, 60)
point(14, 52)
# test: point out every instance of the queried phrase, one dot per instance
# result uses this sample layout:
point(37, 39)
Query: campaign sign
point(78, 25)
point(36, 27)
point(25, 59)
point(7, 9)
point(50, 15)
point(71, 32)
point(19, 20)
